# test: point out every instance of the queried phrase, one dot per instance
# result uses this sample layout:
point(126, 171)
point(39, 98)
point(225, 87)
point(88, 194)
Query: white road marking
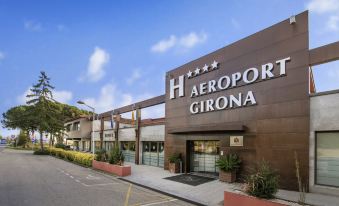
point(103, 184)
point(77, 180)
point(67, 174)
point(91, 177)
point(71, 177)
point(157, 203)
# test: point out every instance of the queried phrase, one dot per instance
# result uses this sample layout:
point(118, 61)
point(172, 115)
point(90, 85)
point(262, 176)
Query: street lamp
point(93, 111)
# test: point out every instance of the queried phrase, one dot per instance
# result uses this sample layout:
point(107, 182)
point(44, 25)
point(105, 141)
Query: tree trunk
point(52, 139)
point(41, 142)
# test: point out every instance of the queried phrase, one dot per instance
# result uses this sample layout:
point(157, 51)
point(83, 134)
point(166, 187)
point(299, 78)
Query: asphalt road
point(27, 179)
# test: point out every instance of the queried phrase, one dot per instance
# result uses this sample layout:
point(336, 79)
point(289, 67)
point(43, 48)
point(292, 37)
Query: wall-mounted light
point(292, 20)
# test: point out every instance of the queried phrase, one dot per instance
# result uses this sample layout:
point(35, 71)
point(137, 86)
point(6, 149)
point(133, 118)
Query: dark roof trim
point(324, 54)
point(208, 129)
point(325, 93)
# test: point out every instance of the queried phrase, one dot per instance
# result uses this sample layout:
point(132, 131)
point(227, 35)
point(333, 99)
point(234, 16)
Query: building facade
point(255, 98)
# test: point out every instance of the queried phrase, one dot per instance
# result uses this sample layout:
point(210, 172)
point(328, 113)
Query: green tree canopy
point(42, 113)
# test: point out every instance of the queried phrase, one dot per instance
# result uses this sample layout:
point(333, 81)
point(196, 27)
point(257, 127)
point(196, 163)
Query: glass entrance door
point(204, 154)
point(153, 153)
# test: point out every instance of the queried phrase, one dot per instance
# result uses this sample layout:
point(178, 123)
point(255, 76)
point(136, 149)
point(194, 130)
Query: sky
point(114, 53)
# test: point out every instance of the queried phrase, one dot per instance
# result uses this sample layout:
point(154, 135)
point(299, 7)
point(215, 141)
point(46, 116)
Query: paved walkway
point(210, 193)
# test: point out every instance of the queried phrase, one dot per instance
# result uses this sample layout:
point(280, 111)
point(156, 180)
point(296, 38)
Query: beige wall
point(324, 117)
point(85, 129)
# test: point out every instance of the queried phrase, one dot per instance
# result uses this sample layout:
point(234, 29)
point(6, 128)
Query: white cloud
point(192, 39)
point(134, 76)
point(333, 23)
point(97, 62)
point(2, 56)
point(164, 45)
point(32, 25)
point(323, 6)
point(182, 43)
point(62, 96)
point(111, 97)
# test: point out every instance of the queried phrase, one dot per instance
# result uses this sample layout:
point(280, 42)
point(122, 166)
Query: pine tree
point(41, 97)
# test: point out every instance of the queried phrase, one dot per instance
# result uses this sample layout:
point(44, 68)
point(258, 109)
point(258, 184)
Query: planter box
point(174, 167)
point(227, 176)
point(232, 199)
point(114, 169)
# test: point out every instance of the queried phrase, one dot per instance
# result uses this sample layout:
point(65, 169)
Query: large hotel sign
point(250, 75)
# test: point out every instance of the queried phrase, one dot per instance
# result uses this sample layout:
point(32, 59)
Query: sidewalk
point(211, 193)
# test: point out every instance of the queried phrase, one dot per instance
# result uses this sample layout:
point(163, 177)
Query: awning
point(208, 129)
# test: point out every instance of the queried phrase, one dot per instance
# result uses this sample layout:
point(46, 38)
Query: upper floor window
point(76, 126)
point(68, 127)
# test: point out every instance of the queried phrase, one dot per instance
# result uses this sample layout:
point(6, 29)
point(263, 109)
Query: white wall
point(152, 133)
point(126, 134)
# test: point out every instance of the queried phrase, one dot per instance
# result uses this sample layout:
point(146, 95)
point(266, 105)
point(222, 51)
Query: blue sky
point(112, 53)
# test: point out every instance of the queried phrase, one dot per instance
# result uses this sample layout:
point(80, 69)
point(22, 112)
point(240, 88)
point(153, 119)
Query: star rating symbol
point(214, 64)
point(189, 74)
point(205, 68)
point(197, 71)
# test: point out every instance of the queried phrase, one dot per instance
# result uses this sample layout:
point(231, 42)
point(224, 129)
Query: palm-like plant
point(228, 163)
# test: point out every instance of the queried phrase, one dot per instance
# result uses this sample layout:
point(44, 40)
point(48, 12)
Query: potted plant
point(174, 163)
point(260, 186)
point(228, 165)
point(115, 163)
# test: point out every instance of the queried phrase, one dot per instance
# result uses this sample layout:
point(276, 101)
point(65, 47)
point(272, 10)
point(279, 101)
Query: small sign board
point(236, 141)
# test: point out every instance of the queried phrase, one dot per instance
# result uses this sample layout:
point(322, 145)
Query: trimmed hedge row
point(73, 156)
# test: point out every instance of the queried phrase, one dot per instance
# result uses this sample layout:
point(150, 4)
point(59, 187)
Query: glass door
point(204, 154)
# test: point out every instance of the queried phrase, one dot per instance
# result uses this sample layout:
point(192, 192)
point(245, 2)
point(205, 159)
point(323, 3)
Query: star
point(205, 68)
point(197, 71)
point(214, 64)
point(189, 74)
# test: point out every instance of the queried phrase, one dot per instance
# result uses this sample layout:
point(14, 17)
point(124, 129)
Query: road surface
point(32, 180)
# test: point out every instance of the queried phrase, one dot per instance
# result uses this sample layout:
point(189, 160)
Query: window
point(68, 127)
point(327, 158)
point(76, 126)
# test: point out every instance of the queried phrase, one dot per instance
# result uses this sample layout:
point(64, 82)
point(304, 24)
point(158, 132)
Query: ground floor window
point(153, 153)
point(327, 158)
point(76, 145)
point(128, 149)
point(109, 146)
point(203, 155)
point(97, 145)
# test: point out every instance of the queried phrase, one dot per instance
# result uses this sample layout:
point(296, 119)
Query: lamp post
point(93, 111)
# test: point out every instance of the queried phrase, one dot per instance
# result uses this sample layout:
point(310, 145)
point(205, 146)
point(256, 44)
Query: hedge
point(73, 156)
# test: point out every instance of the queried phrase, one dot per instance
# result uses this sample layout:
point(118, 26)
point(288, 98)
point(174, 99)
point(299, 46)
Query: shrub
point(175, 158)
point(228, 163)
point(60, 145)
point(116, 157)
point(100, 155)
point(263, 183)
point(73, 156)
point(41, 152)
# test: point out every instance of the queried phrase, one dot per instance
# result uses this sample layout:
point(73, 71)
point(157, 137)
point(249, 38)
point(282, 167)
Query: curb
point(164, 193)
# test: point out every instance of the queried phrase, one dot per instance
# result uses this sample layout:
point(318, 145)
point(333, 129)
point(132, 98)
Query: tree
point(40, 98)
point(22, 139)
point(42, 113)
